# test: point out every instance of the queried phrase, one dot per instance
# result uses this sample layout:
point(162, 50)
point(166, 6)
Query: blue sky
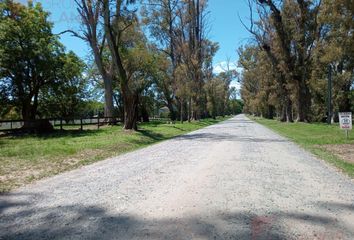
point(225, 26)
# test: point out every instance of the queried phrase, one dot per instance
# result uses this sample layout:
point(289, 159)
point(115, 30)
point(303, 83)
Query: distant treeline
point(297, 44)
point(134, 76)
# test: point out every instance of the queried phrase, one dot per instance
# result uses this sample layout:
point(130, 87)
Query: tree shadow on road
point(337, 206)
point(153, 135)
point(243, 121)
point(228, 137)
point(21, 220)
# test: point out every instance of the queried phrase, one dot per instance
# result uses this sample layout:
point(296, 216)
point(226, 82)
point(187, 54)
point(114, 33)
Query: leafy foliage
point(286, 71)
point(33, 62)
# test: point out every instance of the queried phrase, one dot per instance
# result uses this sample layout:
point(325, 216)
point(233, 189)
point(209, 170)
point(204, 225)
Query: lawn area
point(24, 159)
point(326, 141)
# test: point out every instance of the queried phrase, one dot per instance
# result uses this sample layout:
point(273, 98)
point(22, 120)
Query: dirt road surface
point(233, 180)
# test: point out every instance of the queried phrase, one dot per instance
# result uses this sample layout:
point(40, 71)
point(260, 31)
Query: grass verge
point(315, 137)
point(24, 159)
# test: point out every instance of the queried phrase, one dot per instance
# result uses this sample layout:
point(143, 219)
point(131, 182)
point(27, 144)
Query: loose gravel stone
point(233, 180)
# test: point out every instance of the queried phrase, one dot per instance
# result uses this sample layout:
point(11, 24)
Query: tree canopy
point(33, 62)
point(286, 68)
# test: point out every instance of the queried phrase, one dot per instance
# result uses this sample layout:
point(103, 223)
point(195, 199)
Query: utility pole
point(329, 99)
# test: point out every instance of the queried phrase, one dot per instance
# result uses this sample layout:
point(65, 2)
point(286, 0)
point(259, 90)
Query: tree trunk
point(108, 97)
point(130, 110)
point(181, 111)
point(29, 118)
point(303, 102)
point(173, 114)
point(270, 112)
point(144, 113)
point(289, 112)
point(27, 111)
point(283, 117)
point(189, 109)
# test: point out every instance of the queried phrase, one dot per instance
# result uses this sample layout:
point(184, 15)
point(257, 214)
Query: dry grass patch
point(343, 151)
point(326, 141)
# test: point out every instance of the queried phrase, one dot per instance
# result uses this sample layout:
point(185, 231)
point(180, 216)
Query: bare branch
point(73, 33)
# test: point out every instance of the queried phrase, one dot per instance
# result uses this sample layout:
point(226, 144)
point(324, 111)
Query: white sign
point(345, 120)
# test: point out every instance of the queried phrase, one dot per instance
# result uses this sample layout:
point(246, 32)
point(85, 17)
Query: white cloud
point(235, 84)
point(222, 67)
point(217, 69)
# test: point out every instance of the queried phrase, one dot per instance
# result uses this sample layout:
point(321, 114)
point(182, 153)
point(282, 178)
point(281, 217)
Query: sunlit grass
point(312, 136)
point(31, 157)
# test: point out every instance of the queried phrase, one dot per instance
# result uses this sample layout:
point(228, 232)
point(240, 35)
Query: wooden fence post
point(81, 127)
point(98, 122)
point(61, 124)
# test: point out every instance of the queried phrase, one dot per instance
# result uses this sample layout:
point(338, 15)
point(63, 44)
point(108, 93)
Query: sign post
point(345, 120)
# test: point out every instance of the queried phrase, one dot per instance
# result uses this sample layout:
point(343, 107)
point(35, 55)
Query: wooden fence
point(62, 123)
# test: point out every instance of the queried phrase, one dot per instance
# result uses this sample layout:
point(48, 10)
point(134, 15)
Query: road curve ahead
point(233, 180)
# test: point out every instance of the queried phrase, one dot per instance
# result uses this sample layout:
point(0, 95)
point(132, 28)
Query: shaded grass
point(312, 137)
point(26, 158)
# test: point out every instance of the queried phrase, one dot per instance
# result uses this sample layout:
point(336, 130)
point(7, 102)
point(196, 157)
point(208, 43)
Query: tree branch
point(73, 33)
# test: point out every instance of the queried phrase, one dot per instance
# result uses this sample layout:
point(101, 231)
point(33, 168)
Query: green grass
point(24, 159)
point(312, 136)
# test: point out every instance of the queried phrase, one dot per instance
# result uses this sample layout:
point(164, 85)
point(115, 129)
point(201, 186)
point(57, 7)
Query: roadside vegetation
point(155, 58)
point(24, 159)
point(299, 68)
point(297, 47)
point(325, 141)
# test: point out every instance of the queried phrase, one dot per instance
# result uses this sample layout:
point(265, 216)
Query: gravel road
point(233, 180)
